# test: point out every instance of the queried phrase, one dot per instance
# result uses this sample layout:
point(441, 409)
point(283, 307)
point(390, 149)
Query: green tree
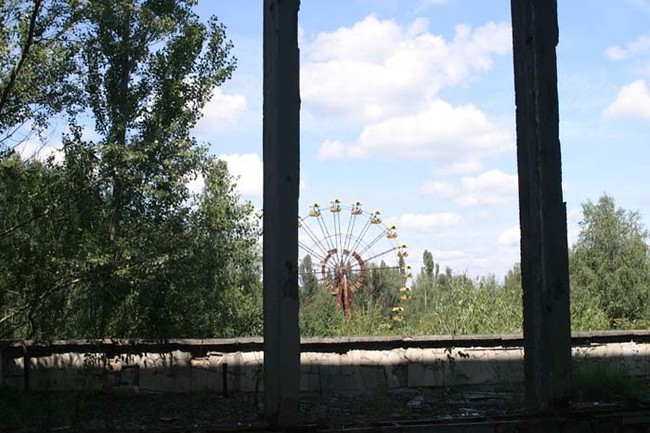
point(381, 287)
point(30, 247)
point(308, 278)
point(428, 279)
point(512, 279)
point(611, 262)
point(37, 50)
point(112, 241)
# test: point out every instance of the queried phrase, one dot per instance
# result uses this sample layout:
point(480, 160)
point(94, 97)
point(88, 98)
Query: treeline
point(104, 238)
point(609, 275)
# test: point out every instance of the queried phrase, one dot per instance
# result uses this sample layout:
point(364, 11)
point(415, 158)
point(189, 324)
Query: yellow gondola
point(315, 210)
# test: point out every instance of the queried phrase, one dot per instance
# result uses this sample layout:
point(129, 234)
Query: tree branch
point(23, 55)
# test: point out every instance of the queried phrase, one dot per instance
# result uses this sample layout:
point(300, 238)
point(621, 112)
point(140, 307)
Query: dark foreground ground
point(426, 410)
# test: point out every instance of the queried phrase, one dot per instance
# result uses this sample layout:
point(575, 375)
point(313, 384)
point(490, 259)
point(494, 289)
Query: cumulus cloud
point(509, 237)
point(574, 216)
point(33, 149)
point(442, 189)
point(634, 48)
point(632, 101)
point(447, 255)
point(221, 111)
point(425, 222)
point(196, 183)
point(377, 68)
point(450, 135)
point(248, 169)
point(466, 166)
point(331, 149)
point(488, 188)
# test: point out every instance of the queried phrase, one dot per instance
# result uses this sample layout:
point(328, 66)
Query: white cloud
point(632, 101)
point(450, 135)
point(31, 149)
point(331, 149)
point(377, 68)
point(489, 188)
point(221, 111)
point(248, 170)
point(573, 227)
point(509, 237)
point(615, 53)
point(196, 184)
point(442, 189)
point(637, 47)
point(467, 166)
point(424, 222)
point(445, 255)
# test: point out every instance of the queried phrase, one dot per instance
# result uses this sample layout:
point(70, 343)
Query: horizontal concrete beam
point(355, 370)
point(201, 347)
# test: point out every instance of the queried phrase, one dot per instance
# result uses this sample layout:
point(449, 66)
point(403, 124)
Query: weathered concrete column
point(281, 130)
point(542, 212)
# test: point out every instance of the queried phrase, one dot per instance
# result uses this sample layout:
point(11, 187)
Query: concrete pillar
point(542, 212)
point(281, 136)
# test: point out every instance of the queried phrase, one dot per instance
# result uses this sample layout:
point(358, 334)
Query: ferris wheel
point(343, 241)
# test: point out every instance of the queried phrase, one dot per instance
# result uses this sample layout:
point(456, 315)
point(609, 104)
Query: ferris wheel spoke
point(314, 238)
point(325, 232)
point(311, 251)
point(383, 253)
point(336, 218)
point(370, 244)
point(364, 230)
point(350, 229)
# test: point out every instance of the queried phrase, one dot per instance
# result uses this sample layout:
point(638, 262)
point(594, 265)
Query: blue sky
point(408, 106)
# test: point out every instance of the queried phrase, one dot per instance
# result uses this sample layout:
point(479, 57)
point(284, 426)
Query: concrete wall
point(335, 366)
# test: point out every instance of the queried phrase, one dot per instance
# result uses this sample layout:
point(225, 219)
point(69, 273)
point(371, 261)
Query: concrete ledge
point(200, 347)
point(327, 364)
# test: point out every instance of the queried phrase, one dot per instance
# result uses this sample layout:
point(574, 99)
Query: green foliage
point(380, 290)
point(37, 62)
point(604, 380)
point(463, 308)
point(611, 260)
point(427, 281)
point(308, 279)
point(111, 242)
point(319, 315)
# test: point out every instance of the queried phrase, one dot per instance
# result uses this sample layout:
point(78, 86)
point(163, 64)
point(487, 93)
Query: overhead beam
point(542, 212)
point(281, 149)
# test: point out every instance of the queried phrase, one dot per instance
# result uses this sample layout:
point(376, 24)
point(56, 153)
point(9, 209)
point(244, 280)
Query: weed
point(604, 380)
